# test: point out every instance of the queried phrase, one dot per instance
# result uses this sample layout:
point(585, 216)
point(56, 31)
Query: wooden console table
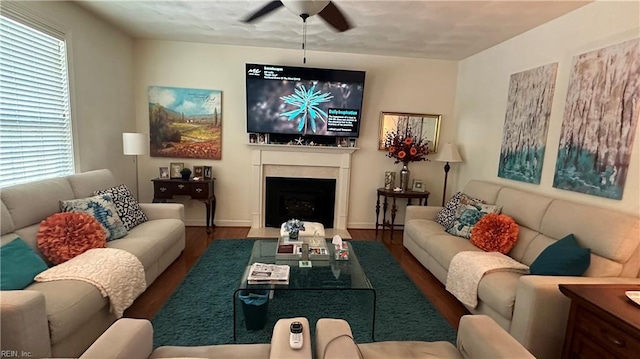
point(165, 189)
point(422, 198)
point(603, 322)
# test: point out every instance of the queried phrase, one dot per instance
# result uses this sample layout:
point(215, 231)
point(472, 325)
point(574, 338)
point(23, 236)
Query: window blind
point(35, 124)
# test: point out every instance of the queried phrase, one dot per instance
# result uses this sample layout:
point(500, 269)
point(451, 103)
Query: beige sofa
point(63, 318)
point(478, 337)
point(531, 308)
point(133, 339)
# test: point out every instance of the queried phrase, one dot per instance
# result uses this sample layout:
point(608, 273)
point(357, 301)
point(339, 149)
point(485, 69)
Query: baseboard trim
point(218, 222)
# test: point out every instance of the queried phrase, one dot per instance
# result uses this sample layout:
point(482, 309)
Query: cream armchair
point(133, 339)
point(479, 337)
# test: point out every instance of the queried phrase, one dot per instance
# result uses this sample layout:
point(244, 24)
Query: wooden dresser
point(603, 322)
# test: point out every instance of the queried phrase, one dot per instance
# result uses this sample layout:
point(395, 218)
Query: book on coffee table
point(261, 273)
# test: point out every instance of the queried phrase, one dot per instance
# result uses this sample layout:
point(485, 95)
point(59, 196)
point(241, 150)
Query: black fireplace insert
point(306, 199)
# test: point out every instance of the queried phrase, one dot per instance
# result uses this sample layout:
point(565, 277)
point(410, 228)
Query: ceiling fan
point(326, 9)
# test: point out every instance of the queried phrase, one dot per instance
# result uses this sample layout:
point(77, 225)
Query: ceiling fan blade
point(334, 17)
point(271, 6)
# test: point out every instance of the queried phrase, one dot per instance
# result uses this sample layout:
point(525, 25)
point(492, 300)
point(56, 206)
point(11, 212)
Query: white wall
point(483, 81)
point(392, 84)
point(100, 75)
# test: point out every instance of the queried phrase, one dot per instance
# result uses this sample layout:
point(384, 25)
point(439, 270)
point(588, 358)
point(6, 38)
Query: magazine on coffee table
point(261, 273)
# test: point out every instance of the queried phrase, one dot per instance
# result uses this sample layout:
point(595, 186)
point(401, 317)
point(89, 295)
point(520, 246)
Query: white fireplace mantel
point(301, 162)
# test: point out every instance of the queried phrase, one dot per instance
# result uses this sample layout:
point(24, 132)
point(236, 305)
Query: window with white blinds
point(35, 124)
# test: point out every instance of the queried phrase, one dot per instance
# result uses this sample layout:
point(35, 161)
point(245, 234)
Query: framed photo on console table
point(198, 171)
point(175, 168)
point(164, 172)
point(207, 172)
point(418, 185)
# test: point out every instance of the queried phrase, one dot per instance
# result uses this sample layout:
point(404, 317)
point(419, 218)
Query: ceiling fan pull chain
point(304, 37)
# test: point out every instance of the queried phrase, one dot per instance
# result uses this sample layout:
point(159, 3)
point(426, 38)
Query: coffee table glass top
point(324, 274)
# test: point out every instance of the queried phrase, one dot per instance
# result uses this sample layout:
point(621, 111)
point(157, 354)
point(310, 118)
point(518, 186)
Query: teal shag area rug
point(200, 311)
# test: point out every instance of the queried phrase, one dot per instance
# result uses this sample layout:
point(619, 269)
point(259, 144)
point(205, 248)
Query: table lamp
point(134, 144)
point(448, 153)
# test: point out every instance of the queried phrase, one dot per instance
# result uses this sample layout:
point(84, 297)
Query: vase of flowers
point(294, 226)
point(404, 147)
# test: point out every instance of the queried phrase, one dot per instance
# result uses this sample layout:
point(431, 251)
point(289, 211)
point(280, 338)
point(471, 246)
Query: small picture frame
point(207, 172)
point(253, 138)
point(175, 168)
point(352, 142)
point(263, 138)
point(164, 172)
point(198, 171)
point(418, 185)
point(342, 141)
point(389, 180)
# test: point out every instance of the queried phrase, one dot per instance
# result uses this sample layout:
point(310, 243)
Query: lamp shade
point(449, 153)
point(134, 143)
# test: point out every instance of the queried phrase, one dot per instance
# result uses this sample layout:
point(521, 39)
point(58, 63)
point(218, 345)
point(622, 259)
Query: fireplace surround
point(300, 162)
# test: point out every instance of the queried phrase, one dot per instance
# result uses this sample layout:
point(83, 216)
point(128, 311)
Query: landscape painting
point(185, 123)
point(600, 121)
point(524, 135)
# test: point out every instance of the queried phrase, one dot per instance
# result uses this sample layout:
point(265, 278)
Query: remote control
point(295, 338)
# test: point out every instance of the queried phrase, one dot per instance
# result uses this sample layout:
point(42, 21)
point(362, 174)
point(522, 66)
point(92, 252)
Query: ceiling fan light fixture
point(309, 7)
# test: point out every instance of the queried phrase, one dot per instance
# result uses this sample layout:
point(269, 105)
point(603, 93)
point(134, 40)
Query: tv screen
point(303, 101)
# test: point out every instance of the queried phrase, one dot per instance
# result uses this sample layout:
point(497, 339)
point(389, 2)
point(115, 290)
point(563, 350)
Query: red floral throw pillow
point(495, 233)
point(63, 236)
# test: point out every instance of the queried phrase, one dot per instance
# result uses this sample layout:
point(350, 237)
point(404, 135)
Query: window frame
point(22, 14)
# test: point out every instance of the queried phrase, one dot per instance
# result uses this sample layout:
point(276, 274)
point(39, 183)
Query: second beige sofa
point(531, 308)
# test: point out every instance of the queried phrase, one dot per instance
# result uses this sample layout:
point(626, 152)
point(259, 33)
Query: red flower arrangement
point(405, 148)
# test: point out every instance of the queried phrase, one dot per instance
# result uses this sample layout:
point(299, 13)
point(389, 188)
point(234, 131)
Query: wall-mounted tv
point(303, 101)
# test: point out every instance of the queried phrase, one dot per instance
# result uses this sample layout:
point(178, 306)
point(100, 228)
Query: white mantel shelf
point(300, 148)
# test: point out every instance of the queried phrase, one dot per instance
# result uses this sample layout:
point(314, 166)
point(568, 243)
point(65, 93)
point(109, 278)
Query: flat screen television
point(303, 101)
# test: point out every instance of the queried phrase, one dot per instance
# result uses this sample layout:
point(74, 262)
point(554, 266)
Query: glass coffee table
point(330, 288)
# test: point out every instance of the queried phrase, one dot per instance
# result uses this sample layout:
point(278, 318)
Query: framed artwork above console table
point(428, 126)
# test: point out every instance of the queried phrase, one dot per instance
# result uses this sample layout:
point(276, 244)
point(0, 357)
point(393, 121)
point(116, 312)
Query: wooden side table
point(422, 198)
point(603, 322)
point(165, 189)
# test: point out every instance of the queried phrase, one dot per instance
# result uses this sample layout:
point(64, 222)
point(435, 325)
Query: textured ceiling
point(450, 30)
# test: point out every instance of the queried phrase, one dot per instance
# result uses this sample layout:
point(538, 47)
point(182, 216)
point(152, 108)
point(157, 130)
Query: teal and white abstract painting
point(526, 121)
point(600, 121)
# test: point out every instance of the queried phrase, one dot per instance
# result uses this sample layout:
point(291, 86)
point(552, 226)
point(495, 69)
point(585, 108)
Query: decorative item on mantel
point(404, 147)
point(294, 226)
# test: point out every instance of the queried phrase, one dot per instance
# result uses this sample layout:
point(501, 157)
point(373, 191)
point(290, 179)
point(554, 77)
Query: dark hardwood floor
point(197, 242)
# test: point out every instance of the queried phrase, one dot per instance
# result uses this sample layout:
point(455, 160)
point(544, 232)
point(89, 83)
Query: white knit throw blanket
point(118, 275)
point(467, 269)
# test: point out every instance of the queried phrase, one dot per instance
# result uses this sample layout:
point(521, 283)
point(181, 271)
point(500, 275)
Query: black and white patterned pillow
point(447, 215)
point(128, 208)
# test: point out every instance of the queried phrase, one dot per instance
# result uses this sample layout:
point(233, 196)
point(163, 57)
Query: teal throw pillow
point(19, 264)
point(563, 258)
point(103, 209)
